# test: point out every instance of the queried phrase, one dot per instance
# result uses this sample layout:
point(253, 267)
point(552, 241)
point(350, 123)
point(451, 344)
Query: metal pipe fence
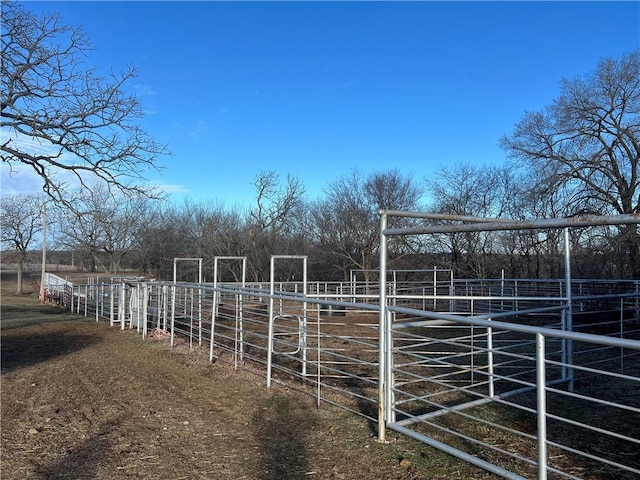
point(506, 396)
point(325, 348)
point(505, 380)
point(509, 389)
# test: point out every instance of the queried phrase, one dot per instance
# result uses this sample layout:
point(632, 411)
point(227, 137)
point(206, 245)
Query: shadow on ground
point(29, 346)
point(85, 458)
point(281, 428)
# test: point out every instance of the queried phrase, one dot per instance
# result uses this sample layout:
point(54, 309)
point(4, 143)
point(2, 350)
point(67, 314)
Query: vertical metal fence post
point(214, 307)
point(621, 334)
point(145, 309)
point(122, 305)
point(318, 358)
point(390, 379)
point(569, 303)
point(71, 297)
point(241, 313)
point(200, 314)
point(98, 298)
point(382, 327)
point(165, 306)
point(173, 311)
point(237, 343)
point(541, 394)
point(637, 285)
point(241, 298)
point(139, 305)
point(111, 300)
point(502, 290)
point(270, 332)
point(452, 291)
point(303, 326)
point(564, 370)
point(492, 390)
point(191, 313)
point(435, 288)
point(214, 311)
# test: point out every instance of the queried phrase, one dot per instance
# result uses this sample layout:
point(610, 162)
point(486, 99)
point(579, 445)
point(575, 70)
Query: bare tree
point(479, 191)
point(105, 225)
point(534, 253)
point(20, 225)
point(347, 222)
point(272, 216)
point(587, 142)
point(274, 201)
point(58, 116)
point(164, 236)
point(212, 231)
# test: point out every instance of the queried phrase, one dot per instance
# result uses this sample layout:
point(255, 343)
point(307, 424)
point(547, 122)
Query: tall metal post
point(145, 309)
point(569, 310)
point(173, 311)
point(214, 308)
point(382, 326)
point(270, 334)
point(111, 300)
point(541, 394)
point(122, 305)
point(241, 309)
point(98, 296)
point(304, 317)
point(44, 254)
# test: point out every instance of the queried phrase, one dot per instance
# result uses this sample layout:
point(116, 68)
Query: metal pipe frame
point(488, 225)
point(272, 316)
point(474, 224)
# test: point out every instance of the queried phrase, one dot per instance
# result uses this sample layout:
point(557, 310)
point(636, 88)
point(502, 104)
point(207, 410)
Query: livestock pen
point(525, 378)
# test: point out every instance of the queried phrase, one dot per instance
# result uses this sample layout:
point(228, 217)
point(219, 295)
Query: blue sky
point(316, 89)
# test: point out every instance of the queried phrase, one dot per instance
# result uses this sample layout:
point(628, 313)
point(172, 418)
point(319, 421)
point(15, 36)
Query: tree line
point(577, 156)
point(111, 233)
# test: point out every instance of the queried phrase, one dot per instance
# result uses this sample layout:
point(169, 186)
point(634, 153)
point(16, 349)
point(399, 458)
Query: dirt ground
point(82, 400)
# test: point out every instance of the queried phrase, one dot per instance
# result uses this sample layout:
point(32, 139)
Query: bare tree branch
point(587, 142)
point(83, 123)
point(589, 137)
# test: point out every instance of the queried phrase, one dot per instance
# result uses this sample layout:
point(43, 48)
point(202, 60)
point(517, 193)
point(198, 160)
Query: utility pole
point(44, 251)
